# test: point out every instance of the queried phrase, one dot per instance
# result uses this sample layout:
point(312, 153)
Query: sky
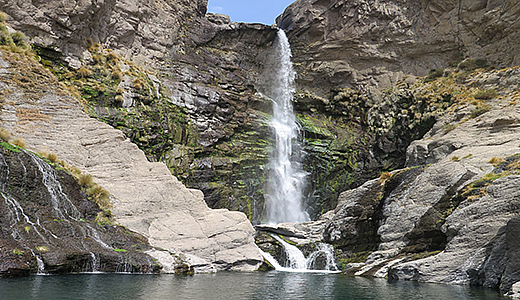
point(250, 11)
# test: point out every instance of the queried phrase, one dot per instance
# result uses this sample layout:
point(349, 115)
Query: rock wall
point(448, 217)
point(149, 200)
point(375, 43)
point(143, 30)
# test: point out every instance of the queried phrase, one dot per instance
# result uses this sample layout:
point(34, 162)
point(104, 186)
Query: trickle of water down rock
point(286, 177)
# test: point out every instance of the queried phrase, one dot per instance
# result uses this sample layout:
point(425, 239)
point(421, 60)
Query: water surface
point(229, 286)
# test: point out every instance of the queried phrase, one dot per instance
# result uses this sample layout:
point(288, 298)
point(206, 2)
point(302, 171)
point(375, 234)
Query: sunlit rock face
point(340, 43)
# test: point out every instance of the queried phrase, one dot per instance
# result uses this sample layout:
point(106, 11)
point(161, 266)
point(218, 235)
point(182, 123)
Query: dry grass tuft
point(100, 196)
point(5, 135)
point(84, 72)
point(19, 142)
point(85, 180)
point(384, 177)
point(495, 161)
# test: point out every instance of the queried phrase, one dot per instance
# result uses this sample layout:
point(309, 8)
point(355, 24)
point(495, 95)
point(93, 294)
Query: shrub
point(100, 196)
point(84, 72)
point(434, 74)
point(5, 37)
point(116, 75)
point(119, 100)
point(18, 39)
point(455, 158)
point(480, 110)
point(5, 135)
point(85, 180)
point(3, 17)
point(495, 161)
point(19, 142)
point(472, 64)
point(485, 95)
point(139, 84)
point(99, 59)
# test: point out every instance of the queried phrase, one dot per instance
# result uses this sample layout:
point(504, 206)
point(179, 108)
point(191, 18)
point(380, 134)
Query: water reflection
point(230, 286)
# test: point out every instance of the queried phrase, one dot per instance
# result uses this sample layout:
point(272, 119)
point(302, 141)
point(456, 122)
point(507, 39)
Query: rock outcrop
point(148, 199)
point(448, 217)
point(143, 30)
point(375, 43)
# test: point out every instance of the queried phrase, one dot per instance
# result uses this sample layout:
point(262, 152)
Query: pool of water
point(229, 286)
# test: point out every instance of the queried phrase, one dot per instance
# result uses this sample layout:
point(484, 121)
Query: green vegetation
point(486, 95)
point(434, 74)
point(449, 127)
point(9, 147)
point(480, 110)
point(14, 42)
point(358, 257)
point(17, 251)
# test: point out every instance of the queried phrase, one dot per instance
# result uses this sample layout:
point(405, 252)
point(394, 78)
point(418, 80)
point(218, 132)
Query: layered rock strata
point(375, 43)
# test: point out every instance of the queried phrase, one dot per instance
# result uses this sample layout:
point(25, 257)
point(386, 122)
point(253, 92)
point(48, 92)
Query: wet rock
point(48, 225)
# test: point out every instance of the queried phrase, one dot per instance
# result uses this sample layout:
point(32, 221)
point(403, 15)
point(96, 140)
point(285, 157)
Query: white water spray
point(286, 178)
point(296, 261)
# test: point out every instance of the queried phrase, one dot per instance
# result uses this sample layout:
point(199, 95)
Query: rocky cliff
point(147, 198)
point(375, 43)
point(50, 225)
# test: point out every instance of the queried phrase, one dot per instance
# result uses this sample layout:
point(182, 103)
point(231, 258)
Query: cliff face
point(148, 199)
point(143, 29)
point(375, 43)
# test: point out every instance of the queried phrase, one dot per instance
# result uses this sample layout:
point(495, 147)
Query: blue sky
point(251, 11)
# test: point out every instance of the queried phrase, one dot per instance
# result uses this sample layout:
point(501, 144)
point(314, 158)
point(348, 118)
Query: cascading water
point(296, 262)
point(286, 177)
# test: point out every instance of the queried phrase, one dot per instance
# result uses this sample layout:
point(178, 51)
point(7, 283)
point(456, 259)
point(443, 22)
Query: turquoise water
point(229, 286)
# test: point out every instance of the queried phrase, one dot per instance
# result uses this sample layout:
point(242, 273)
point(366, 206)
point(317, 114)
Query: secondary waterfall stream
point(286, 177)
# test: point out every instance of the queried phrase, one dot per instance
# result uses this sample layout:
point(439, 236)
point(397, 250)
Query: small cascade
point(61, 203)
point(18, 214)
point(93, 233)
point(41, 266)
point(296, 261)
point(95, 263)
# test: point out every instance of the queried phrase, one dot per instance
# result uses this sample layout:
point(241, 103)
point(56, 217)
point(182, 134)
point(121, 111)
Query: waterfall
point(41, 266)
point(286, 177)
point(61, 203)
point(296, 262)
